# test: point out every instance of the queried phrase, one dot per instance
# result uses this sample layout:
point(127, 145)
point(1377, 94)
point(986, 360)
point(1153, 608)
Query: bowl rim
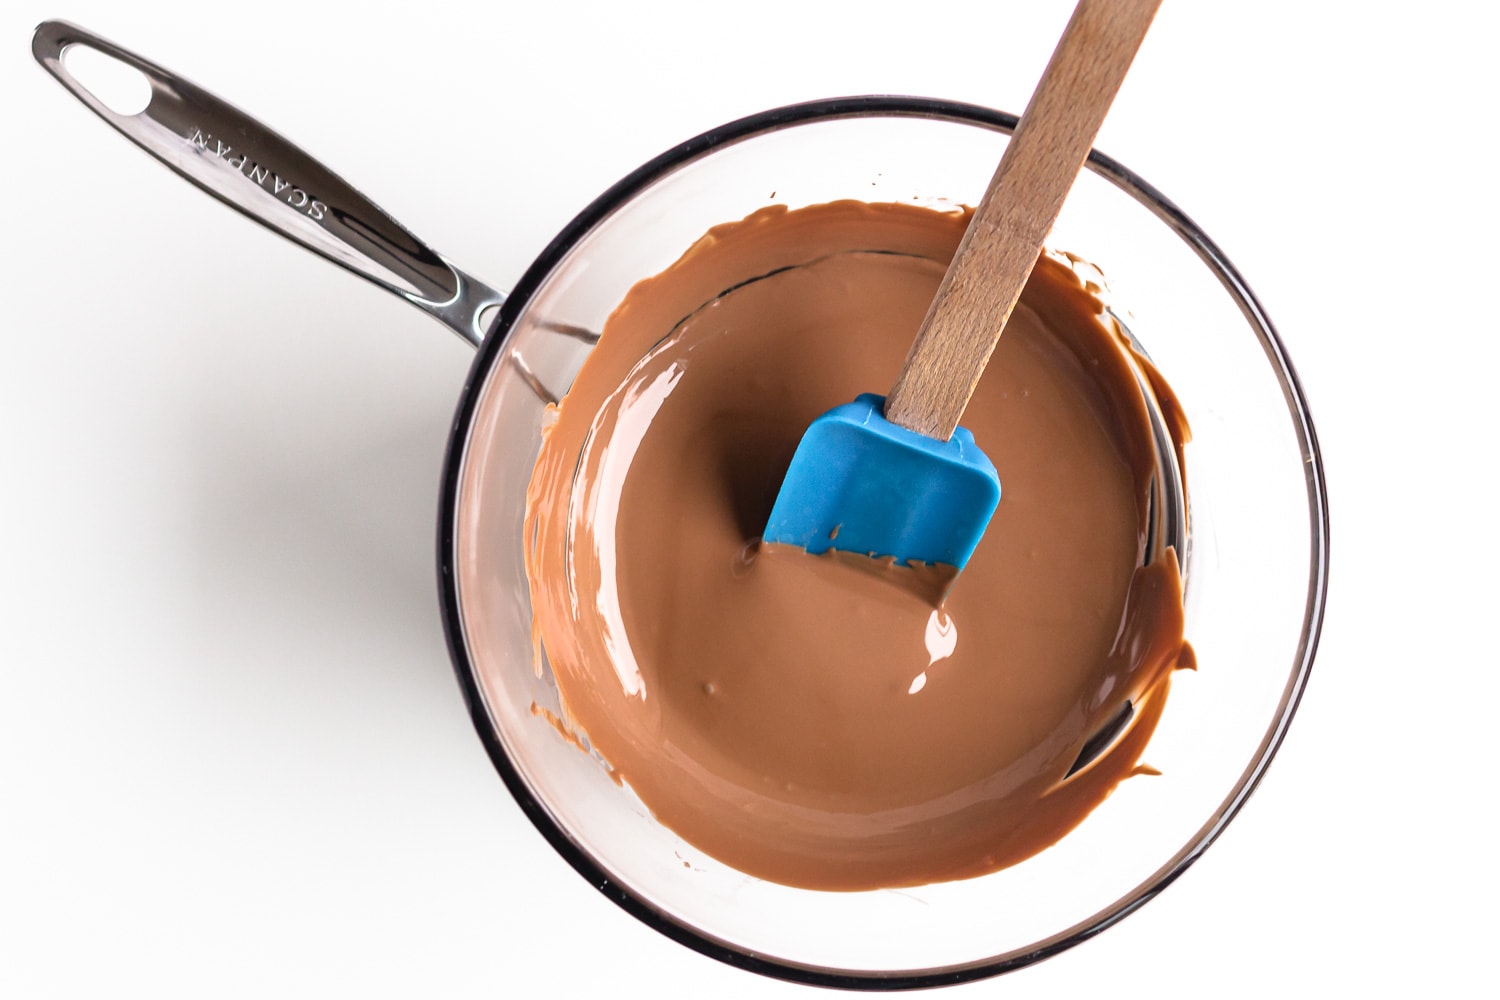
point(491, 349)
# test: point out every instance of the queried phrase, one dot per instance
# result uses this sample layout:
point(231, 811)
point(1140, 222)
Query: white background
point(233, 759)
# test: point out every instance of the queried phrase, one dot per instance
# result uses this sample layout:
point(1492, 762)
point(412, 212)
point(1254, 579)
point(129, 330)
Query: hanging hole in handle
point(120, 87)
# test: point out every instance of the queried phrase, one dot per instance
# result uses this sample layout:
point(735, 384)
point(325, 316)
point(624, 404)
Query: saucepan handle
point(242, 163)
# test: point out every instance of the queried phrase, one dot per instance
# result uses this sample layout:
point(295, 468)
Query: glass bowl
point(1255, 565)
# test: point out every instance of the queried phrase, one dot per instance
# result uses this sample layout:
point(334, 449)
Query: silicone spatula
point(896, 476)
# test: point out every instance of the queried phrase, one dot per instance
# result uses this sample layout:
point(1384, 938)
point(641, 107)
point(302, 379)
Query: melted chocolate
point(828, 721)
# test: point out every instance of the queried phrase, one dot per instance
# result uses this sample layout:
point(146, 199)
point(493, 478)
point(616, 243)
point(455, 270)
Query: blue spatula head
point(859, 483)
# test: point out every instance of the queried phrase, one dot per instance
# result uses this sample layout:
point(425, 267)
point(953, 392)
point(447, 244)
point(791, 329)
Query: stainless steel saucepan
point(1258, 571)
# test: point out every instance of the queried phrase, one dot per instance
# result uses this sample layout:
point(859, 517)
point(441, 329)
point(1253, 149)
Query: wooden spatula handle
point(1023, 200)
